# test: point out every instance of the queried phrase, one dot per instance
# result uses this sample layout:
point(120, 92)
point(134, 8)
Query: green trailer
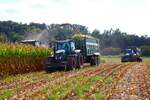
point(89, 47)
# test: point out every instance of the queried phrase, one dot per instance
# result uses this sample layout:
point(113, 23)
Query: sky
point(131, 16)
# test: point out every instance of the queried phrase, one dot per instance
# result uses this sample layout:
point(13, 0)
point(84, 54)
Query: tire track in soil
point(68, 95)
point(85, 73)
point(68, 80)
point(23, 80)
point(131, 86)
point(99, 84)
point(72, 95)
point(26, 83)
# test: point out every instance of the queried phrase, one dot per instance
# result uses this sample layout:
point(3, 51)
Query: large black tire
point(95, 60)
point(80, 61)
point(122, 60)
point(71, 63)
point(139, 59)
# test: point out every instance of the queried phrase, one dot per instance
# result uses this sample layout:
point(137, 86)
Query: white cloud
point(130, 16)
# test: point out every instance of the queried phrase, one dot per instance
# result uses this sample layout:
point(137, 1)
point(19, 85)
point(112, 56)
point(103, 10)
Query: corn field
point(19, 59)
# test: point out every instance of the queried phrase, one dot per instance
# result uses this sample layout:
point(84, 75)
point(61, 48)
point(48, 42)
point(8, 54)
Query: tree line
point(113, 38)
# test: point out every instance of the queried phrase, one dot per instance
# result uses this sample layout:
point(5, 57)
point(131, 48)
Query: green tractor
point(73, 53)
point(131, 54)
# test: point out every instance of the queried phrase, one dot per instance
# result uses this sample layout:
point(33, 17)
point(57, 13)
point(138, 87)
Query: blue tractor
point(131, 54)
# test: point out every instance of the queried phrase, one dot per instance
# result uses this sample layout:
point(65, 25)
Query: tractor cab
point(67, 47)
point(65, 56)
point(63, 48)
point(128, 52)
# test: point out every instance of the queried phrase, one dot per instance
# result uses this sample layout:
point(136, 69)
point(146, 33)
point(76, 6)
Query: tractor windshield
point(67, 46)
point(128, 51)
point(63, 46)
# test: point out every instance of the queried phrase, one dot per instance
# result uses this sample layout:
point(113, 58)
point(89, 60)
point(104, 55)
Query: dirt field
point(128, 81)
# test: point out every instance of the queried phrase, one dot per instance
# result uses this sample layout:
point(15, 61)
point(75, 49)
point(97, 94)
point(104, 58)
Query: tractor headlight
point(60, 51)
point(52, 55)
point(127, 54)
point(58, 57)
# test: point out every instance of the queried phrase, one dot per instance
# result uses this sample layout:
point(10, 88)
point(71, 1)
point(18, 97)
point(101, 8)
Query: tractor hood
point(77, 51)
point(60, 51)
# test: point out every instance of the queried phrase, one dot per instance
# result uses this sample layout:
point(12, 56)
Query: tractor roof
point(68, 40)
